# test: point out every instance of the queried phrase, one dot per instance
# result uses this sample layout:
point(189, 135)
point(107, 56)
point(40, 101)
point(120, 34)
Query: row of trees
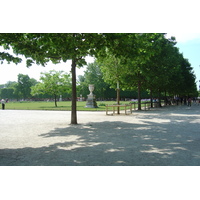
point(52, 84)
point(103, 91)
point(18, 90)
point(143, 61)
point(158, 67)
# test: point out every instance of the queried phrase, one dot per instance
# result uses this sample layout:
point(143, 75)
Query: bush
point(102, 104)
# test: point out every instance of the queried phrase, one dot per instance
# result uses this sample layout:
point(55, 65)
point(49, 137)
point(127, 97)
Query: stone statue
point(91, 100)
point(91, 88)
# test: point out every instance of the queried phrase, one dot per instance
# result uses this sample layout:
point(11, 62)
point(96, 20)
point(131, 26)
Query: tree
point(42, 48)
point(112, 73)
point(7, 93)
point(136, 51)
point(167, 71)
point(116, 59)
point(5, 41)
point(188, 85)
point(13, 85)
point(24, 85)
point(54, 83)
point(103, 90)
point(161, 67)
point(149, 48)
point(93, 75)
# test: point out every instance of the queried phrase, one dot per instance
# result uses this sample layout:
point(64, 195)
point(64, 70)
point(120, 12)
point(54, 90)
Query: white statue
point(91, 102)
point(91, 89)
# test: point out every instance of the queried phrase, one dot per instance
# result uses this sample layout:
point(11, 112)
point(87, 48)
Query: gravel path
point(168, 136)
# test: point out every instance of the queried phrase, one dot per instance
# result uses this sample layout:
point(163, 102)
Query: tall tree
point(112, 73)
point(42, 48)
point(187, 85)
point(161, 66)
point(136, 60)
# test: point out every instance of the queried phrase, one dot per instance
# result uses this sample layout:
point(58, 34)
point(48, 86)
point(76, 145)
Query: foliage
point(24, 85)
point(7, 93)
point(41, 48)
point(112, 70)
point(93, 75)
point(5, 41)
point(147, 61)
point(123, 65)
point(54, 83)
point(18, 90)
point(167, 71)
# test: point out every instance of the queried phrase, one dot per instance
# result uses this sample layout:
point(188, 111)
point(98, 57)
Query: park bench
point(125, 106)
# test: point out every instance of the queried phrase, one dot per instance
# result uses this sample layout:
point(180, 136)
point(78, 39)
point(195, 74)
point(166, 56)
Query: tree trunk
point(118, 97)
point(151, 97)
point(139, 95)
point(55, 100)
point(73, 111)
point(159, 98)
point(165, 97)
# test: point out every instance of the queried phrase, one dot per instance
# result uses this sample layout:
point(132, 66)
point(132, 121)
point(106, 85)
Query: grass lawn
point(64, 105)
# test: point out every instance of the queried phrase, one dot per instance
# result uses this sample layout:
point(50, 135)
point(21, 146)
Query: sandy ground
point(167, 136)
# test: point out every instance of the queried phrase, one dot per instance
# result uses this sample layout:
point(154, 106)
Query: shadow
point(156, 140)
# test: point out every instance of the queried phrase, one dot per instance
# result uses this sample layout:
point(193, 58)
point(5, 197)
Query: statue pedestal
point(91, 101)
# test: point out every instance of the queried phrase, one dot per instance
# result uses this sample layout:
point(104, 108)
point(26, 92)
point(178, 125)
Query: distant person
point(189, 101)
point(3, 104)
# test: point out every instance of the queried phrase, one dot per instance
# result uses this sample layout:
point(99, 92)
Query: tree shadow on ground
point(150, 143)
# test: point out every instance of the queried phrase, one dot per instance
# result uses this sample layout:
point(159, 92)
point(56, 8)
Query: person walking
point(3, 104)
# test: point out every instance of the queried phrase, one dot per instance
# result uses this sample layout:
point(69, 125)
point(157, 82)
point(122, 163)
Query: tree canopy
point(54, 83)
point(147, 61)
point(41, 48)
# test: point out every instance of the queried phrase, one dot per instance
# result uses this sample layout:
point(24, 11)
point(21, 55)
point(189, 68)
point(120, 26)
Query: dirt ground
point(167, 136)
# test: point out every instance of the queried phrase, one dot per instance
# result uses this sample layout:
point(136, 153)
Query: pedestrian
point(3, 104)
point(189, 101)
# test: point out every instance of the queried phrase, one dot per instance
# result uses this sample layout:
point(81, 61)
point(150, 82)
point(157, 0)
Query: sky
point(9, 72)
point(188, 44)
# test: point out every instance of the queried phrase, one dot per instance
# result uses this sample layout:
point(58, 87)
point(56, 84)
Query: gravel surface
point(167, 136)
